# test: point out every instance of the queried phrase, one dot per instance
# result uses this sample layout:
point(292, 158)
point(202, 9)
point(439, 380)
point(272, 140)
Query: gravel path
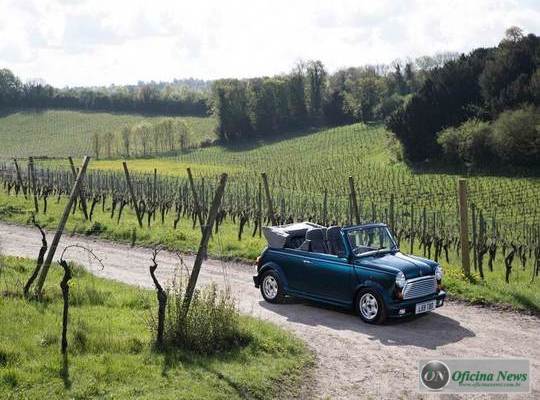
point(354, 359)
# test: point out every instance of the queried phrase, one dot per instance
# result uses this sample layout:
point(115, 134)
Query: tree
point(316, 76)
point(297, 95)
point(10, 89)
point(516, 136)
point(126, 139)
point(231, 107)
point(108, 139)
point(449, 96)
point(96, 145)
point(513, 34)
point(508, 75)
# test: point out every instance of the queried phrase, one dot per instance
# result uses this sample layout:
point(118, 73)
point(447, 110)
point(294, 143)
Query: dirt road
point(354, 359)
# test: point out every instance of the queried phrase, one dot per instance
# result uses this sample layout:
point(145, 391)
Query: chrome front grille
point(419, 287)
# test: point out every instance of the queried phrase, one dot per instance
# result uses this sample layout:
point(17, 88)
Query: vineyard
point(71, 133)
point(308, 179)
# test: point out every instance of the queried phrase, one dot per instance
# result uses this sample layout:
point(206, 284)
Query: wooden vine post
point(216, 203)
point(198, 210)
point(81, 191)
point(325, 208)
point(162, 300)
point(354, 201)
point(474, 237)
point(268, 199)
point(259, 210)
point(464, 227)
point(19, 178)
point(64, 285)
point(61, 226)
point(392, 214)
point(132, 193)
point(32, 177)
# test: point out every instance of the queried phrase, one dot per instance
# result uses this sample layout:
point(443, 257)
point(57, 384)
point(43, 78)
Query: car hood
point(411, 266)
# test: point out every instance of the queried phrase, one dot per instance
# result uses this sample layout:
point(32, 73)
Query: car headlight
point(400, 280)
point(438, 273)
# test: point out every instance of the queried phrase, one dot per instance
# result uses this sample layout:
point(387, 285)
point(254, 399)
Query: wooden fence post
point(268, 199)
point(259, 209)
point(474, 237)
point(392, 214)
point(132, 193)
point(325, 208)
point(198, 210)
point(412, 229)
point(354, 201)
point(33, 182)
point(81, 191)
point(19, 178)
point(201, 253)
point(464, 227)
point(61, 226)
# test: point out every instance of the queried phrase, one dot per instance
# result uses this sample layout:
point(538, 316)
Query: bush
point(516, 136)
point(470, 142)
point(212, 324)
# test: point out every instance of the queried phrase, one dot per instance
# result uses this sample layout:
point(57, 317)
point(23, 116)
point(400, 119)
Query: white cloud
point(98, 42)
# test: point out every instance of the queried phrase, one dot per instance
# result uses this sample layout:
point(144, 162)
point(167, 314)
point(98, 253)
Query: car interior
point(319, 240)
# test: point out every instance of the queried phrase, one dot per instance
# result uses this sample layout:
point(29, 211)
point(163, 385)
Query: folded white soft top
point(277, 236)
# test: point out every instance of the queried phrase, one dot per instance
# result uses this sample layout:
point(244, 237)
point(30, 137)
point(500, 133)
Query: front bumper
point(405, 308)
point(256, 281)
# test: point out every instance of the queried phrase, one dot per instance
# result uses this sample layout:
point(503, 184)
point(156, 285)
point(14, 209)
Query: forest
point(180, 97)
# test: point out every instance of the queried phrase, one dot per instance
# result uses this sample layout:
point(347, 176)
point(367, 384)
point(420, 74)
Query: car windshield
point(371, 239)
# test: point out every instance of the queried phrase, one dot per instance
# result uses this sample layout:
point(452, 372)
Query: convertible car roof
point(277, 236)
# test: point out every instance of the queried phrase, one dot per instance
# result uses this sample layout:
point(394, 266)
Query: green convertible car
point(358, 266)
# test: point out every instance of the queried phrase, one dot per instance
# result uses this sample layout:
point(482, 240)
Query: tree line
point(180, 97)
point(480, 109)
point(309, 96)
point(143, 139)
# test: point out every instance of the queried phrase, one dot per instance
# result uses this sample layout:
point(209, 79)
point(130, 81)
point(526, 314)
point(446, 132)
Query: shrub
point(470, 142)
point(212, 324)
point(516, 136)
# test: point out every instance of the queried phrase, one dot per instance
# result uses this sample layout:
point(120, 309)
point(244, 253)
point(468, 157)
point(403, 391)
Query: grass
point(519, 294)
point(110, 353)
point(68, 133)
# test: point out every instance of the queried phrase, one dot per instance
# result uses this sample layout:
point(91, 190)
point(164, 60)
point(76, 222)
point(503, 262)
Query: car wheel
point(272, 287)
point(370, 306)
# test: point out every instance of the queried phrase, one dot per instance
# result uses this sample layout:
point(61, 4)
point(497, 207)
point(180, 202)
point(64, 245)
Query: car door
point(297, 268)
point(331, 277)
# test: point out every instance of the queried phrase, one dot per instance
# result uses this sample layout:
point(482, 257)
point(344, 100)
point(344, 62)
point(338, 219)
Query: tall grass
point(212, 324)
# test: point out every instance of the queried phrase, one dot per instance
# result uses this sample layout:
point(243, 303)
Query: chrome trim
point(419, 287)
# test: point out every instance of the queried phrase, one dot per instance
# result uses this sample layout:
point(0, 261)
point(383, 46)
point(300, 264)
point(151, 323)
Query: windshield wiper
point(380, 250)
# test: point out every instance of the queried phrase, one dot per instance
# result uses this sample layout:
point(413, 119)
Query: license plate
point(425, 307)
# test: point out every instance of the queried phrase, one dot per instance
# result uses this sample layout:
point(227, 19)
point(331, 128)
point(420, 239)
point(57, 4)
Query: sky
point(103, 42)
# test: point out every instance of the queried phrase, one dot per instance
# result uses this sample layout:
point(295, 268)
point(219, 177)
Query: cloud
point(98, 42)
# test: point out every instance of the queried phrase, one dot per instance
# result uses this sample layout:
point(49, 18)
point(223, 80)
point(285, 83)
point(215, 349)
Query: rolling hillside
point(64, 133)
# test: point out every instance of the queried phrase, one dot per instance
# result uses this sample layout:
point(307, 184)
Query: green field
point(68, 133)
point(110, 351)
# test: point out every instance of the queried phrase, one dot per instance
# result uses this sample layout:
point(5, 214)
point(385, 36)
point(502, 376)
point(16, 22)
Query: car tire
point(272, 287)
point(370, 306)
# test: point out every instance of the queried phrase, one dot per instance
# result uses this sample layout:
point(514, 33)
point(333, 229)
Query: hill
point(64, 133)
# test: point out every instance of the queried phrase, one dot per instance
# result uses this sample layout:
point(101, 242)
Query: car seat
point(316, 239)
point(335, 241)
